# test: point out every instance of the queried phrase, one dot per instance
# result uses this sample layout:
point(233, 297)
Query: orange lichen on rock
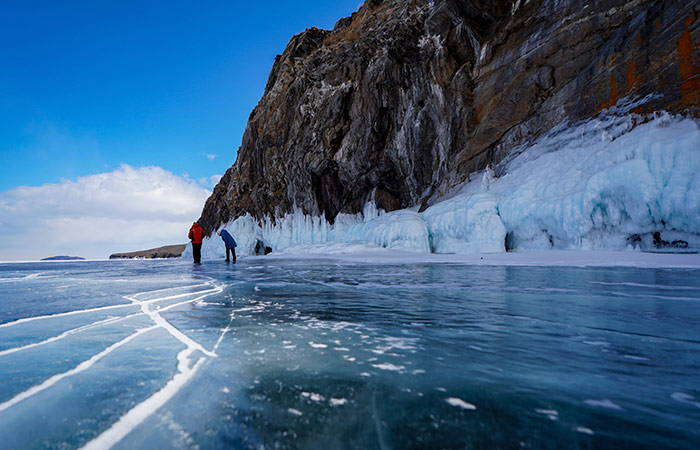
point(632, 78)
point(690, 72)
point(614, 93)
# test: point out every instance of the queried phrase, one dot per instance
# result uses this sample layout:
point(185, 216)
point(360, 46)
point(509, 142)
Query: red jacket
point(196, 234)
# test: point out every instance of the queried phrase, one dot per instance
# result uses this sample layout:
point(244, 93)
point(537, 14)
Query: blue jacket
point(228, 239)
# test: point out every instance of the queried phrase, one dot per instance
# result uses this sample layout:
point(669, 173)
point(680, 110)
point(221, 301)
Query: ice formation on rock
point(606, 183)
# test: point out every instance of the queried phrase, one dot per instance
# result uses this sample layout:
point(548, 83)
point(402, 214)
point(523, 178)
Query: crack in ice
point(67, 333)
point(167, 326)
point(77, 369)
point(143, 410)
point(110, 320)
point(123, 305)
point(152, 403)
point(69, 313)
point(223, 332)
point(173, 288)
point(107, 321)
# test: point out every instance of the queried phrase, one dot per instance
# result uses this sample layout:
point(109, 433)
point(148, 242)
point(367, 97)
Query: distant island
point(63, 258)
point(168, 251)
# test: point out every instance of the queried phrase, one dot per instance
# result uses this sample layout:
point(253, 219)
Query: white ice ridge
point(604, 184)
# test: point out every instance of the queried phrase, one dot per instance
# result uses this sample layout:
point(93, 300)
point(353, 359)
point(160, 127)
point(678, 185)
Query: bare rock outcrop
point(168, 251)
point(402, 100)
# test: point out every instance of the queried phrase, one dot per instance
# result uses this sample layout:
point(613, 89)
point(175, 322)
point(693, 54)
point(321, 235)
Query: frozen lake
point(322, 354)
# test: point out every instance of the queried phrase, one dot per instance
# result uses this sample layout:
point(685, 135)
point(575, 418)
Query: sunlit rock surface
point(402, 101)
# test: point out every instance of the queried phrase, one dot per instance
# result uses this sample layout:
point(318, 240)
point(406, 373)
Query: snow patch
point(459, 403)
point(388, 366)
point(552, 414)
point(314, 397)
point(315, 345)
point(338, 401)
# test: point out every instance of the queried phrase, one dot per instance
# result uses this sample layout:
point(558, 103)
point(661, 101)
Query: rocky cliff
point(401, 101)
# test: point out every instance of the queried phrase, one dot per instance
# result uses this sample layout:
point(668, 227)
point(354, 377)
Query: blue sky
point(116, 118)
point(86, 86)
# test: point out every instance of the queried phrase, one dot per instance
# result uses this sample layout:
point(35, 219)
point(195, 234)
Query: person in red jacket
point(196, 235)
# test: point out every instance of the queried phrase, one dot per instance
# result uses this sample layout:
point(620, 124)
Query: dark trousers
point(197, 253)
point(233, 253)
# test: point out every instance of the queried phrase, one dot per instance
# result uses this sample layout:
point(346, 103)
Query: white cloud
point(211, 181)
point(215, 179)
point(125, 210)
point(210, 156)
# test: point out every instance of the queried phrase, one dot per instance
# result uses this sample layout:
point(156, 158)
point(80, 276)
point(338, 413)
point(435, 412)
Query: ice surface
point(436, 355)
point(606, 184)
point(140, 318)
point(685, 398)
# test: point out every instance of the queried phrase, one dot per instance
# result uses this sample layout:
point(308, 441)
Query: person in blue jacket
point(229, 242)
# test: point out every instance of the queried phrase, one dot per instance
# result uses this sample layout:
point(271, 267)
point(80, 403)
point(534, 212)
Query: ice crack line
point(170, 297)
point(103, 308)
point(69, 313)
point(173, 288)
point(159, 321)
point(223, 332)
point(77, 369)
point(107, 321)
point(143, 410)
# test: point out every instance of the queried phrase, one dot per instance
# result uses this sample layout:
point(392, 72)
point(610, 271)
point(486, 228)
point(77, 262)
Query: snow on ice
point(604, 184)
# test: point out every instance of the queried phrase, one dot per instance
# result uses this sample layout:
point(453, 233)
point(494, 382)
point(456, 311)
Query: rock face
point(401, 101)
